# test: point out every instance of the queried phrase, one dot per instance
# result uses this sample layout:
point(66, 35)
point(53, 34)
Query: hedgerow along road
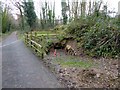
point(22, 69)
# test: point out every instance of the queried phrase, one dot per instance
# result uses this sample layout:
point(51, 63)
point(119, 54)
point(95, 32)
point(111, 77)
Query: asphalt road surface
point(22, 69)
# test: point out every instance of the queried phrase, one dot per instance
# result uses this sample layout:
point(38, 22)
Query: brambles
point(98, 36)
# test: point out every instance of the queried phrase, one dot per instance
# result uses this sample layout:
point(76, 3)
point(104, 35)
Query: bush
point(98, 36)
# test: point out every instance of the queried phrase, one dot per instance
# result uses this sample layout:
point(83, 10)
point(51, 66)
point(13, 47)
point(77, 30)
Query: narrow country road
point(22, 69)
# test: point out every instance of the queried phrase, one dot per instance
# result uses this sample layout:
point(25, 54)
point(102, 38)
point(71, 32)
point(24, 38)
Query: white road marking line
point(9, 44)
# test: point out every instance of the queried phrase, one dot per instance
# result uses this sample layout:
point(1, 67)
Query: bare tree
point(19, 6)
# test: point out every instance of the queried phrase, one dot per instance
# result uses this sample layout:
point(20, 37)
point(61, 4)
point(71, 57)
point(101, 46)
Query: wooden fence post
point(26, 38)
point(31, 38)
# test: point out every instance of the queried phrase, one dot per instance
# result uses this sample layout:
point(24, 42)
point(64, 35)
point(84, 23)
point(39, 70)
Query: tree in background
point(18, 5)
point(75, 9)
point(83, 7)
point(47, 15)
point(5, 20)
point(8, 21)
point(64, 11)
point(0, 17)
point(70, 18)
point(53, 16)
point(97, 6)
point(30, 13)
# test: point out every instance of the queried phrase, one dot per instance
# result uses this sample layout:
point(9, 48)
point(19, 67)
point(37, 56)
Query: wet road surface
point(22, 69)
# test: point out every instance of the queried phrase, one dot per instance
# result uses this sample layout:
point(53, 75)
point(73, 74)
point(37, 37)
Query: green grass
point(45, 32)
point(71, 61)
point(77, 64)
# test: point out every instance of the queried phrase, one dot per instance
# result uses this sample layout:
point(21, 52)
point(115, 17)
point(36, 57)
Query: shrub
point(98, 36)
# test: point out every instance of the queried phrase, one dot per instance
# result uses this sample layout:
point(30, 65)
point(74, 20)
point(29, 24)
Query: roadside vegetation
point(83, 46)
point(72, 61)
point(97, 36)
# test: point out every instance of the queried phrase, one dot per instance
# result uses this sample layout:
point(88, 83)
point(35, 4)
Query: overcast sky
point(112, 5)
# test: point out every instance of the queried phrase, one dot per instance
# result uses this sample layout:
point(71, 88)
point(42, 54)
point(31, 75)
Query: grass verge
point(71, 61)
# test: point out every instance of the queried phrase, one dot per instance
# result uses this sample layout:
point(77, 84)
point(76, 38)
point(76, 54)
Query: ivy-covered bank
point(96, 36)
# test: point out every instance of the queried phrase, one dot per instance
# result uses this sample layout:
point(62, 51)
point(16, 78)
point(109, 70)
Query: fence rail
point(30, 41)
point(35, 42)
